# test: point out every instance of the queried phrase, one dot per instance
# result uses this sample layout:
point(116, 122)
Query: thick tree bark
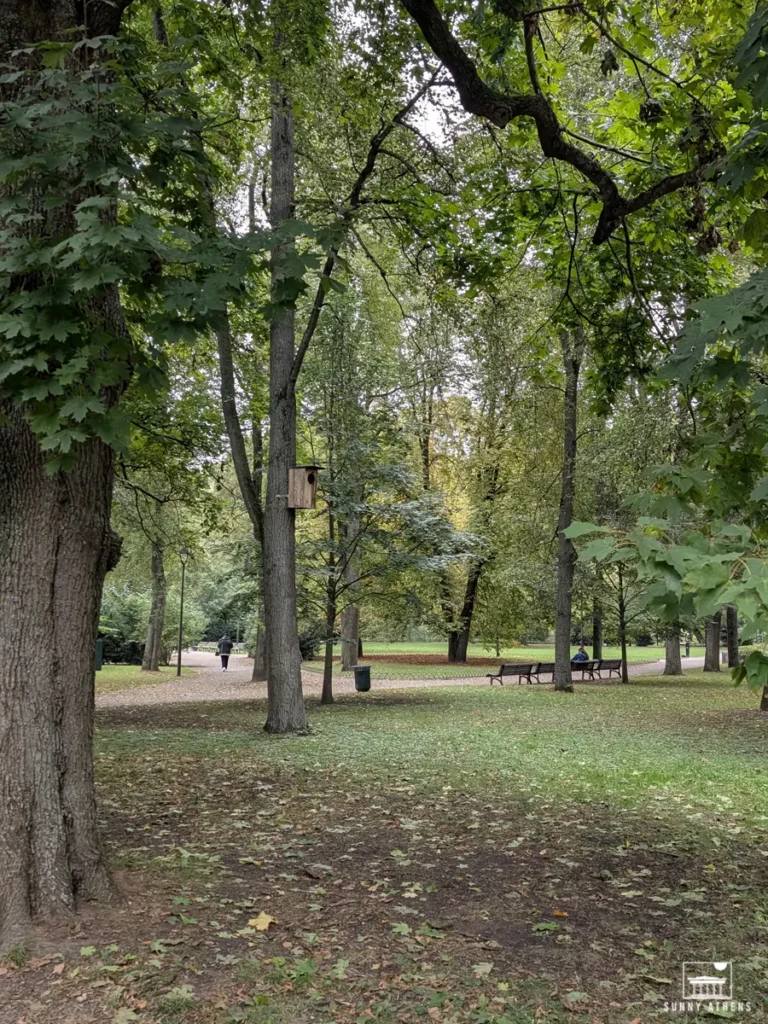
point(259, 673)
point(764, 699)
point(153, 646)
point(350, 636)
point(55, 549)
point(566, 552)
point(712, 645)
point(467, 611)
point(597, 629)
point(732, 634)
point(286, 704)
point(673, 663)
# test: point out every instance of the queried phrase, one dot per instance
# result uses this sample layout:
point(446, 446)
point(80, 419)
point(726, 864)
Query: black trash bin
point(362, 678)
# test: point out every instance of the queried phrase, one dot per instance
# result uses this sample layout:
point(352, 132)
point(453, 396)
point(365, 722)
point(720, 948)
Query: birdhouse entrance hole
point(302, 486)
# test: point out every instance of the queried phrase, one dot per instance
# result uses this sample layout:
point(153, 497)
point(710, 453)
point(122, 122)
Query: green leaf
point(597, 550)
point(578, 529)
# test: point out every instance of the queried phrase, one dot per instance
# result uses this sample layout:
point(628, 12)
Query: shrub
point(118, 650)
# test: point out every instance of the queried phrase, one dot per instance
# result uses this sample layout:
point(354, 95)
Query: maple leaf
point(262, 922)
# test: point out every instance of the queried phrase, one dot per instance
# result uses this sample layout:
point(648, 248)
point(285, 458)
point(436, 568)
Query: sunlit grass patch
point(114, 678)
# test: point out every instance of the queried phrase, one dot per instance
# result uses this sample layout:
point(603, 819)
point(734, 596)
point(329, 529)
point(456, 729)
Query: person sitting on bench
point(581, 655)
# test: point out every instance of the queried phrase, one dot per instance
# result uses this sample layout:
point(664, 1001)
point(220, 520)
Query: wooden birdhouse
point(302, 486)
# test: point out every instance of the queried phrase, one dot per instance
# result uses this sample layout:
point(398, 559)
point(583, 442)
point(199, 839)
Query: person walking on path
point(225, 646)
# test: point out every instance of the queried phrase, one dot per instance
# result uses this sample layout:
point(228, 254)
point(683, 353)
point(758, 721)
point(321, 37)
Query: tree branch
point(353, 202)
point(477, 97)
point(251, 495)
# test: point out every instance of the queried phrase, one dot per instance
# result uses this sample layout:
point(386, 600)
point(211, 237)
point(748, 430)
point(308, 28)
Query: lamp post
point(183, 556)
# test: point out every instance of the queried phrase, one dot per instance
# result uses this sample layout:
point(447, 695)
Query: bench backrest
point(611, 663)
point(514, 669)
point(585, 664)
point(546, 667)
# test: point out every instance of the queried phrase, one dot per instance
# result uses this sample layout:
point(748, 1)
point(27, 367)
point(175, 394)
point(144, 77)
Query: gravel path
point(210, 683)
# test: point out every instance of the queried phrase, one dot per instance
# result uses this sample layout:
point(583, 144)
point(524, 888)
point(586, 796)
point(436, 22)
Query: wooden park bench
point(544, 668)
point(587, 668)
point(532, 673)
point(609, 665)
point(521, 671)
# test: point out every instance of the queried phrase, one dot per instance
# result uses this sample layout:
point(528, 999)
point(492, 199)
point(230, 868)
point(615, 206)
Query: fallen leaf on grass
point(125, 1016)
point(58, 969)
point(571, 998)
point(262, 922)
point(545, 926)
point(482, 970)
point(560, 913)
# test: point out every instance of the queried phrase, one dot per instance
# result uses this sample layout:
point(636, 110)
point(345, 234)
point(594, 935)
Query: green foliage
point(103, 185)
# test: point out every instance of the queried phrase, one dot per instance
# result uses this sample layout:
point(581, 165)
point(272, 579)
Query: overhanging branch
point(477, 97)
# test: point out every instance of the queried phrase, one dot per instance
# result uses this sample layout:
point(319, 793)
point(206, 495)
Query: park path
point(210, 683)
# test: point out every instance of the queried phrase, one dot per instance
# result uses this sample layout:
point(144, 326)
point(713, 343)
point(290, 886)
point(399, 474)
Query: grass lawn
point(112, 678)
point(408, 666)
point(456, 855)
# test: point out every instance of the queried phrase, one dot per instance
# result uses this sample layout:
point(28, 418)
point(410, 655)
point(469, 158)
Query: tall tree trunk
point(453, 645)
point(597, 629)
point(449, 615)
point(467, 611)
point(732, 634)
point(326, 696)
point(286, 704)
point(350, 636)
point(623, 625)
point(55, 549)
point(566, 552)
point(259, 673)
point(260, 670)
point(153, 646)
point(712, 644)
point(350, 616)
point(673, 664)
